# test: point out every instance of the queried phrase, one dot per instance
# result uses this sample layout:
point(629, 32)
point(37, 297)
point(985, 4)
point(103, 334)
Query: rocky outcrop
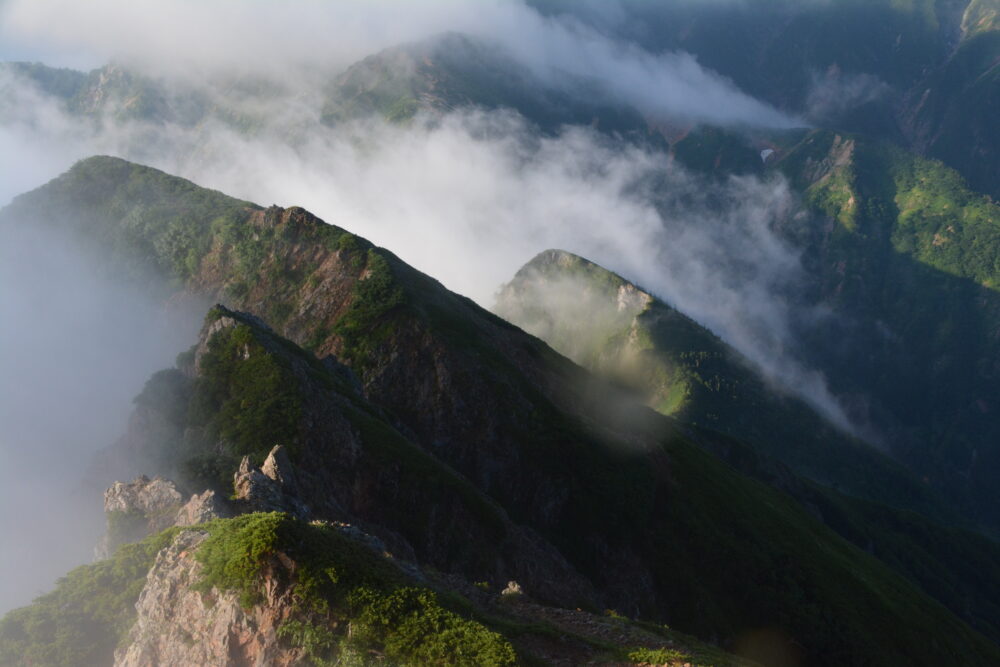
point(137, 509)
point(180, 623)
point(178, 626)
point(201, 508)
point(270, 488)
point(147, 506)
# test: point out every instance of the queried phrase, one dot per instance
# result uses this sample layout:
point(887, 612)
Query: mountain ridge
point(495, 394)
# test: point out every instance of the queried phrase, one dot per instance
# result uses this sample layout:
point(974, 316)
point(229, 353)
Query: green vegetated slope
point(658, 526)
point(679, 368)
point(82, 621)
point(336, 582)
point(907, 256)
point(341, 444)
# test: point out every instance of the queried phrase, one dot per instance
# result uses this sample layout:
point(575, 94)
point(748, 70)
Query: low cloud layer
point(75, 348)
point(240, 35)
point(470, 196)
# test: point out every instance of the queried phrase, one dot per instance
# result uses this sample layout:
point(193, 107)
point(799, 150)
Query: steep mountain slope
point(952, 114)
point(779, 50)
point(658, 527)
point(679, 368)
point(906, 256)
point(903, 254)
point(614, 328)
point(273, 588)
point(922, 73)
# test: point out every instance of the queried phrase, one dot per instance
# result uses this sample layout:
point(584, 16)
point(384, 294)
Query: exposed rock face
point(137, 509)
point(201, 508)
point(152, 497)
point(270, 488)
point(147, 506)
point(177, 626)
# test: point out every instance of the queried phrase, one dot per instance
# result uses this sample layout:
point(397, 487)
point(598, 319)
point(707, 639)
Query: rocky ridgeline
point(144, 506)
point(137, 509)
point(178, 622)
point(179, 625)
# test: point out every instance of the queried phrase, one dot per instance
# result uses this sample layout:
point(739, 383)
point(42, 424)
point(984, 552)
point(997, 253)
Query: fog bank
point(75, 348)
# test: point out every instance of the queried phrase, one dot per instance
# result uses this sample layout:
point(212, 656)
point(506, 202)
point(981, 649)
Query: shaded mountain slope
point(952, 115)
point(906, 255)
point(307, 593)
point(272, 588)
point(659, 527)
point(922, 74)
point(903, 255)
point(679, 368)
point(776, 49)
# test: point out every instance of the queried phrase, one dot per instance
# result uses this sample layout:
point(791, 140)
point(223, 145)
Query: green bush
point(247, 397)
point(337, 581)
point(413, 628)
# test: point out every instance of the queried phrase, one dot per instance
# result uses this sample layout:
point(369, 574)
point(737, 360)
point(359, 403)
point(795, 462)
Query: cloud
point(184, 37)
point(835, 93)
point(36, 137)
point(75, 348)
point(470, 196)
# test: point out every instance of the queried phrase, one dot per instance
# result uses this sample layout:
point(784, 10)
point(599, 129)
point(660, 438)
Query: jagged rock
point(271, 487)
point(149, 496)
point(137, 509)
point(278, 467)
point(201, 508)
point(177, 626)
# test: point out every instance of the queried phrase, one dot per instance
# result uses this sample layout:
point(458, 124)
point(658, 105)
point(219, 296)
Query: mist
point(834, 93)
point(274, 39)
point(470, 196)
point(467, 196)
point(75, 348)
